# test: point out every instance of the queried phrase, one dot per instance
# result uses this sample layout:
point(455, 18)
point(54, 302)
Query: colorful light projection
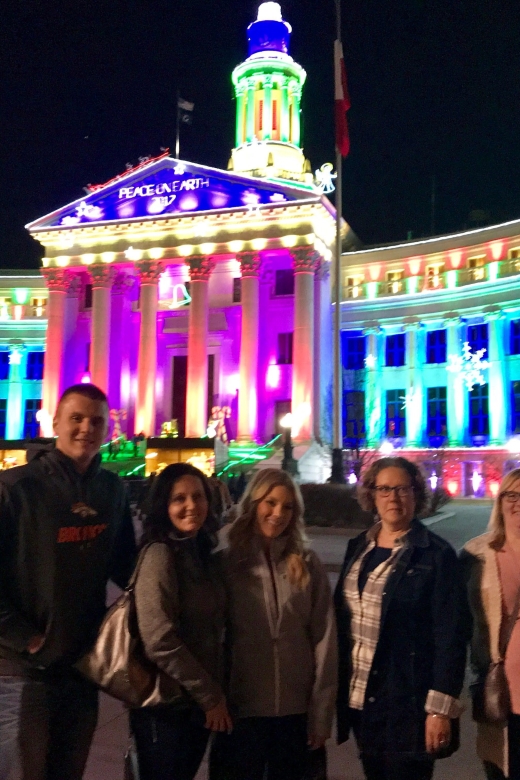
point(469, 366)
point(164, 188)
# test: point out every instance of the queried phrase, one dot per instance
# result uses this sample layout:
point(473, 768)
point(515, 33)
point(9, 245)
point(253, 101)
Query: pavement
point(457, 522)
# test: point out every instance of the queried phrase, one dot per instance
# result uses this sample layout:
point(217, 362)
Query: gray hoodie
point(282, 640)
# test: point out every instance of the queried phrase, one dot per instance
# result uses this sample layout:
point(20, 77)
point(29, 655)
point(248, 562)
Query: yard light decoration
point(469, 366)
point(45, 419)
point(352, 479)
point(217, 426)
point(117, 415)
point(434, 481)
point(476, 481)
point(386, 448)
point(324, 179)
point(289, 464)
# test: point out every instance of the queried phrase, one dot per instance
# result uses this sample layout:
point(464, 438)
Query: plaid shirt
point(365, 609)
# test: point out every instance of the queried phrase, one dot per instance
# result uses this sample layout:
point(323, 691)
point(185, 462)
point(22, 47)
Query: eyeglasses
point(510, 496)
point(400, 490)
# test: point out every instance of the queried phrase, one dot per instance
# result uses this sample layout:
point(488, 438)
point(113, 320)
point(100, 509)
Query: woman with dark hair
point(180, 602)
point(282, 640)
point(401, 617)
point(492, 568)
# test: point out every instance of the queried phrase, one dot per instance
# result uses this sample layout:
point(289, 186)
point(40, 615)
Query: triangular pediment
point(167, 188)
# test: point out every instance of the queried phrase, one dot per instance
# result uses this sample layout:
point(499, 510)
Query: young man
point(65, 529)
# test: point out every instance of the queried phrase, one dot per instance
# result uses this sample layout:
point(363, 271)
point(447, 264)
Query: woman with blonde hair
point(282, 639)
point(492, 566)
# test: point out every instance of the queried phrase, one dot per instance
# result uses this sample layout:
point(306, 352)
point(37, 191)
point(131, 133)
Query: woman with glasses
point(401, 625)
point(492, 567)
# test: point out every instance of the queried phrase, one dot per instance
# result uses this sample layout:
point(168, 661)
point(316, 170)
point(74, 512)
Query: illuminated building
point(191, 293)
point(178, 288)
point(416, 318)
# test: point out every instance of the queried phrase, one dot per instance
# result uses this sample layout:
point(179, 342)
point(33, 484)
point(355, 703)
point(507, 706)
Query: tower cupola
point(268, 90)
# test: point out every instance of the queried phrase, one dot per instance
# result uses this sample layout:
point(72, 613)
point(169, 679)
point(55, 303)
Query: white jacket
point(283, 646)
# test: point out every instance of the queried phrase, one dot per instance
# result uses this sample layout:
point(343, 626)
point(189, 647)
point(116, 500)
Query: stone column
point(498, 405)
point(374, 412)
point(120, 354)
point(267, 124)
point(197, 385)
point(240, 119)
point(57, 281)
point(284, 111)
point(304, 261)
point(149, 273)
point(456, 392)
point(102, 277)
point(250, 263)
point(15, 400)
point(295, 98)
point(250, 110)
point(414, 408)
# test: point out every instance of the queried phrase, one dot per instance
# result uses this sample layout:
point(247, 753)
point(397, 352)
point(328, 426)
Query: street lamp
point(289, 464)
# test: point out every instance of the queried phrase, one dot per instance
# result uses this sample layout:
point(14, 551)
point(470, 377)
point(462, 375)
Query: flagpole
point(178, 128)
point(337, 473)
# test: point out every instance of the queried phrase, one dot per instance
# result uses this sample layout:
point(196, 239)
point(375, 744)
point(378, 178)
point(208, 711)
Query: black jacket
point(421, 646)
point(62, 536)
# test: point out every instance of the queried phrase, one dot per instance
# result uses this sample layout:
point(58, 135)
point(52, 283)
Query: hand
point(437, 732)
point(314, 742)
point(218, 718)
point(35, 643)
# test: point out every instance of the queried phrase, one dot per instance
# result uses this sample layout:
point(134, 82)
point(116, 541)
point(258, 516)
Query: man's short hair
point(87, 390)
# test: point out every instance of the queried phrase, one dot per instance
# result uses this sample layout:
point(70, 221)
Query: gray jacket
point(282, 640)
point(180, 612)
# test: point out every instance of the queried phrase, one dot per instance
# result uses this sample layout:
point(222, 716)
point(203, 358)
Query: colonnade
point(414, 401)
point(108, 281)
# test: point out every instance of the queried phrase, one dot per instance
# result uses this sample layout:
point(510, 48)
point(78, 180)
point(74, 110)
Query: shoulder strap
point(140, 559)
point(511, 624)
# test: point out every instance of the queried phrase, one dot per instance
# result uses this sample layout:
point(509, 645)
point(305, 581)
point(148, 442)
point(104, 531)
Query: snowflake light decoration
point(469, 366)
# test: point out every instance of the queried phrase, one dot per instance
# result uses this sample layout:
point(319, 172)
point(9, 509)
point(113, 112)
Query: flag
point(341, 101)
point(185, 109)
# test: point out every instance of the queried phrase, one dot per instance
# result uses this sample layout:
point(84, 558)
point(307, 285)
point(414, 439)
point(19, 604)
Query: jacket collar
point(61, 462)
point(416, 536)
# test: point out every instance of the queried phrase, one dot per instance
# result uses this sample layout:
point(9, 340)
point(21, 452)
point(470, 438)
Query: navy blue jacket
point(422, 645)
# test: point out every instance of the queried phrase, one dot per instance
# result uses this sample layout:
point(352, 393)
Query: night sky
point(90, 85)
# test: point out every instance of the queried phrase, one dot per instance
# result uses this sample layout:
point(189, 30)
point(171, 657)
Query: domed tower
point(268, 89)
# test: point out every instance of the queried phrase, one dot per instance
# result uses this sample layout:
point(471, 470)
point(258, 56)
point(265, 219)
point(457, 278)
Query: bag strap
point(133, 579)
point(511, 624)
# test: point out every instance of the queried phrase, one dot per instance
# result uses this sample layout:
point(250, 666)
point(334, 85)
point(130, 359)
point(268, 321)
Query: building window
point(478, 337)
point(87, 300)
point(514, 254)
point(395, 349)
point(4, 364)
point(3, 415)
point(476, 268)
point(35, 365)
point(437, 412)
point(353, 286)
point(285, 348)
point(284, 282)
point(395, 414)
point(354, 418)
point(515, 337)
point(31, 425)
point(433, 278)
point(353, 345)
point(479, 411)
point(237, 289)
point(39, 306)
point(436, 346)
point(394, 282)
point(515, 407)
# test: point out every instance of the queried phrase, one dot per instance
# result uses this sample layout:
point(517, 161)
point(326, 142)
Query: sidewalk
point(106, 758)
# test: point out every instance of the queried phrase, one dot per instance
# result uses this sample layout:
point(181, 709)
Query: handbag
point(491, 701)
point(118, 664)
